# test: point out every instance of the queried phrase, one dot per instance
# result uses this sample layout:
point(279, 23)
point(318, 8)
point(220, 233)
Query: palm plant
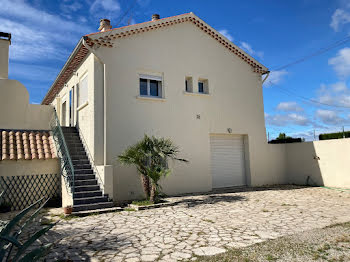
point(151, 156)
point(10, 233)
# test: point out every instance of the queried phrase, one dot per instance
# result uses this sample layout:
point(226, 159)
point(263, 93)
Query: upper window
point(150, 86)
point(83, 91)
point(203, 86)
point(188, 84)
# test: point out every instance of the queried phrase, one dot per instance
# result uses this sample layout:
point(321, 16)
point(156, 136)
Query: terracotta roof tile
point(27, 145)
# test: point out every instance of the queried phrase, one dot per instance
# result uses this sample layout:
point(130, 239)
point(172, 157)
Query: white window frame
point(159, 79)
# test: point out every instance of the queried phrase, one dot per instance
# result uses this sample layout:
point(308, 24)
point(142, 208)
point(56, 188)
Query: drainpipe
point(104, 101)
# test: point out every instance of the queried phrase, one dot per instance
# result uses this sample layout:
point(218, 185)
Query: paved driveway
point(199, 225)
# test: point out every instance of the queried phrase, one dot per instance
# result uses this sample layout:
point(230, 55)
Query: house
point(175, 77)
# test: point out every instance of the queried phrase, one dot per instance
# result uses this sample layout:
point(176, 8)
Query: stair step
point(84, 177)
point(89, 182)
point(77, 208)
point(90, 200)
point(80, 161)
point(97, 211)
point(85, 194)
point(86, 188)
point(81, 166)
point(79, 158)
point(83, 171)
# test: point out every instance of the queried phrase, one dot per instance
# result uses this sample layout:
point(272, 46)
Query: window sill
point(151, 98)
point(196, 94)
point(82, 106)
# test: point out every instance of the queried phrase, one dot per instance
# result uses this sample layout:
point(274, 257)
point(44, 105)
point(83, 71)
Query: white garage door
point(227, 160)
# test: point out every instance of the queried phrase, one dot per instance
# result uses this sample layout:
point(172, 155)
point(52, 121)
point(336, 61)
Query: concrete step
point(84, 194)
point(86, 188)
point(80, 162)
point(97, 211)
point(90, 200)
point(89, 182)
point(84, 177)
point(94, 206)
point(81, 166)
point(83, 171)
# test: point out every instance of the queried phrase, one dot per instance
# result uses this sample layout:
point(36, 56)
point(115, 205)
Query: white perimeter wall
point(327, 162)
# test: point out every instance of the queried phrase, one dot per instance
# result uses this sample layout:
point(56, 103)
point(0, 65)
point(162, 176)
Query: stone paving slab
point(198, 225)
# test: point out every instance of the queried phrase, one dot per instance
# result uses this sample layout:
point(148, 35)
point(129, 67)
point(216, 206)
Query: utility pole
point(343, 132)
point(268, 137)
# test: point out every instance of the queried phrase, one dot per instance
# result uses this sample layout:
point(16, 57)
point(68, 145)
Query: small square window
point(200, 87)
point(203, 87)
point(188, 84)
point(151, 86)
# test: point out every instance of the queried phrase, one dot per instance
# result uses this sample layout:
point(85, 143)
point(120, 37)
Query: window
point(188, 84)
point(83, 91)
point(203, 86)
point(150, 86)
point(200, 87)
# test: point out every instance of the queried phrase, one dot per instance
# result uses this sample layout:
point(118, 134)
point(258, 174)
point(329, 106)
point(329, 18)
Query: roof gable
point(107, 38)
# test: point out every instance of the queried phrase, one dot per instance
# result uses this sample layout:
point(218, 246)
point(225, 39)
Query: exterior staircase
point(88, 195)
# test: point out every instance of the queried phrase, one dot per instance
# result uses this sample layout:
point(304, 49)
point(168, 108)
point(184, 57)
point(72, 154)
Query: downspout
point(104, 101)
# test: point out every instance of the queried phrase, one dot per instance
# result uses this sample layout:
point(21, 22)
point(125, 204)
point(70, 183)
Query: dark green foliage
point(150, 156)
point(11, 232)
point(337, 135)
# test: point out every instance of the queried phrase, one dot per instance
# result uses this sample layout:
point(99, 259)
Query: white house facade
point(178, 78)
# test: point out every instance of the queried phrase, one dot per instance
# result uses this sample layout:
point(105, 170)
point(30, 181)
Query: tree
point(151, 156)
point(282, 136)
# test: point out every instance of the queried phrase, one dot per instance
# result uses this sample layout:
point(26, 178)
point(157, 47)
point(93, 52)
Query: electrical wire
point(317, 53)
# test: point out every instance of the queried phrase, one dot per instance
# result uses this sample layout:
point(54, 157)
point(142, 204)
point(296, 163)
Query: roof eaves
point(70, 58)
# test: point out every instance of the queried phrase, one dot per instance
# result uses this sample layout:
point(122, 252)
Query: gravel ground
point(328, 244)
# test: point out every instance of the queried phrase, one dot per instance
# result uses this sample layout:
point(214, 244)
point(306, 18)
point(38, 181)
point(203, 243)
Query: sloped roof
point(27, 145)
point(107, 38)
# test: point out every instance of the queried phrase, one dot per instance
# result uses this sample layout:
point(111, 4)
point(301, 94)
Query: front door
point(71, 107)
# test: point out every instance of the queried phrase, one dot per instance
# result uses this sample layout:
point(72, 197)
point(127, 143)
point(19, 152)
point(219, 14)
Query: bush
point(334, 135)
point(286, 140)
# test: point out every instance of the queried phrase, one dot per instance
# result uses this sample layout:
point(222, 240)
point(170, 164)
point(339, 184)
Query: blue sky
point(274, 32)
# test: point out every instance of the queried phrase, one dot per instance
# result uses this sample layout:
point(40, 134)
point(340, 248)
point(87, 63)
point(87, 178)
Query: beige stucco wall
point(331, 169)
point(88, 116)
point(17, 113)
point(235, 101)
point(29, 167)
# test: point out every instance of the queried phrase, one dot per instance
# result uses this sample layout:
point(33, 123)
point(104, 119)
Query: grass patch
point(142, 202)
point(129, 209)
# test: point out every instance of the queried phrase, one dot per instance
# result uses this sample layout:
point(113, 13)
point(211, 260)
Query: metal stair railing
point(67, 169)
point(92, 162)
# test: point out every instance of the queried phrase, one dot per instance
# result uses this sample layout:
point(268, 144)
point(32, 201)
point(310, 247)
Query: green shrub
point(337, 135)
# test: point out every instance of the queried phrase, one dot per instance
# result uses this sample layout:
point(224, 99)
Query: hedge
point(334, 135)
point(286, 140)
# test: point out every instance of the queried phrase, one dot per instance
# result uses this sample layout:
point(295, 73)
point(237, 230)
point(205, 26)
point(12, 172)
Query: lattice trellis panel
point(21, 191)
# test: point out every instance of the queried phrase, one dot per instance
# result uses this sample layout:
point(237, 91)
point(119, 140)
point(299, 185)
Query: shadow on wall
point(319, 163)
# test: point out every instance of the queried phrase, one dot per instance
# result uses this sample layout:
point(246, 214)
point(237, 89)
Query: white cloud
point(287, 119)
point(334, 94)
point(329, 117)
point(339, 86)
point(105, 8)
point(341, 63)
point(226, 34)
point(248, 48)
point(275, 78)
point(36, 34)
point(289, 106)
point(339, 18)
